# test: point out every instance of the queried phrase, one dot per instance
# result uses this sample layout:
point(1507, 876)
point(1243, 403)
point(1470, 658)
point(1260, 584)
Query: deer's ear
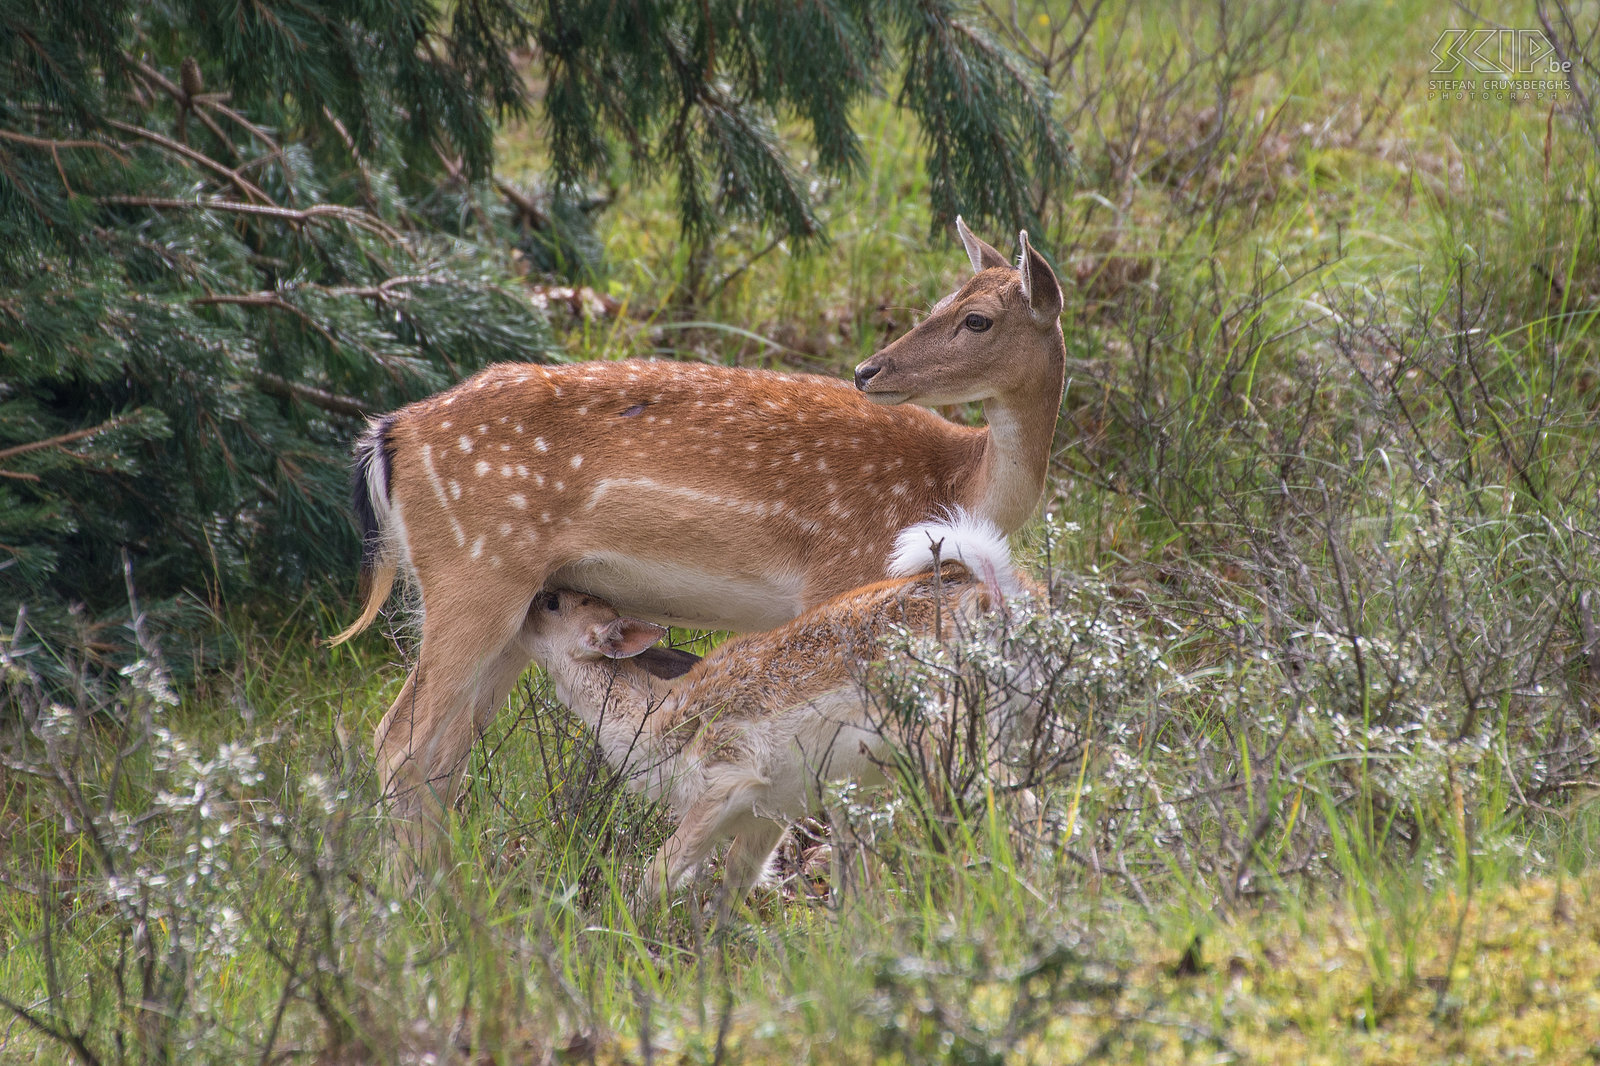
point(667, 663)
point(982, 256)
point(1039, 285)
point(623, 638)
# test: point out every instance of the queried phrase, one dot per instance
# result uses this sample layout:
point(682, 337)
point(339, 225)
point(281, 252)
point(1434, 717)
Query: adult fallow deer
point(687, 494)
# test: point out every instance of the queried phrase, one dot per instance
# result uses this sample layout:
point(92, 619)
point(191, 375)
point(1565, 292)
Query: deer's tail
point(958, 536)
point(369, 497)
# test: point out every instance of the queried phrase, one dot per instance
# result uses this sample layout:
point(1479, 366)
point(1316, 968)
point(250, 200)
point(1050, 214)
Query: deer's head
point(990, 338)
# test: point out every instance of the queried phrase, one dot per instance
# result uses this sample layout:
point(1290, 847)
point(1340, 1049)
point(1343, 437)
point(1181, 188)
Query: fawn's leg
point(702, 827)
point(747, 859)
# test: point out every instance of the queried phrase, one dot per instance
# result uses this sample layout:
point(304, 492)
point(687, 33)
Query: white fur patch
point(960, 535)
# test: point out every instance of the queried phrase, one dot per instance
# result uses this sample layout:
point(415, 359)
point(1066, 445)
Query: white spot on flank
point(545, 517)
point(482, 468)
point(538, 442)
point(538, 479)
point(449, 401)
point(445, 424)
point(561, 486)
point(505, 447)
point(519, 427)
point(899, 488)
point(796, 457)
point(483, 428)
point(517, 500)
point(505, 529)
point(505, 471)
point(466, 445)
point(577, 461)
point(751, 446)
point(477, 547)
point(455, 489)
point(585, 408)
point(438, 491)
point(522, 471)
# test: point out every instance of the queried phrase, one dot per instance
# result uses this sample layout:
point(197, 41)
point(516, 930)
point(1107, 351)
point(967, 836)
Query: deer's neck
point(1016, 454)
point(615, 705)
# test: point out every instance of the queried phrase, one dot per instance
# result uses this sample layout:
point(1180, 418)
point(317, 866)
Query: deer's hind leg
point(469, 661)
point(756, 840)
point(717, 815)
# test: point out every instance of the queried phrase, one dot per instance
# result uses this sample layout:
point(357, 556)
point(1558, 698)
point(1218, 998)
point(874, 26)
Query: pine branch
point(46, 142)
point(245, 185)
point(268, 299)
point(314, 213)
point(65, 438)
point(273, 385)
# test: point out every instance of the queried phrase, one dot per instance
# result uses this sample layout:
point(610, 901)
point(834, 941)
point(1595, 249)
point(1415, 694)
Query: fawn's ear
point(667, 663)
point(981, 255)
point(1039, 285)
point(623, 638)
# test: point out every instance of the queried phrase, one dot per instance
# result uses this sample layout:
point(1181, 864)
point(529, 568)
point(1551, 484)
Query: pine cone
point(193, 84)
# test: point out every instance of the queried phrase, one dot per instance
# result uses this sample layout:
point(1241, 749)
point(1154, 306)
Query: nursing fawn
point(746, 741)
point(685, 494)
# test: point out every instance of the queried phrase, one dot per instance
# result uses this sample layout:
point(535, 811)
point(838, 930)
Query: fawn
point(744, 742)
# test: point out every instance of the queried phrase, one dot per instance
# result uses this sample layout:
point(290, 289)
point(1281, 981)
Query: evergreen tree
point(228, 232)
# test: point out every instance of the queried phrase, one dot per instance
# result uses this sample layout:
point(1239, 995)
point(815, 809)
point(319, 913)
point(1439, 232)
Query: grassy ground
point(1321, 532)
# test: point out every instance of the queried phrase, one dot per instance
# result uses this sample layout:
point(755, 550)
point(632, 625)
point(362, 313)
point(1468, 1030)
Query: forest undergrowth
point(1317, 675)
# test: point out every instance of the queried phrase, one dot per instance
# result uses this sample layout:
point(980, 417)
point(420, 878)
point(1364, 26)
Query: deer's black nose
point(865, 373)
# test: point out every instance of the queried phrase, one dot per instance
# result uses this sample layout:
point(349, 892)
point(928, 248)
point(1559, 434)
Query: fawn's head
point(572, 627)
point(988, 339)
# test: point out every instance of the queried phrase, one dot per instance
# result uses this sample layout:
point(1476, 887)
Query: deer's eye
point(978, 323)
point(550, 601)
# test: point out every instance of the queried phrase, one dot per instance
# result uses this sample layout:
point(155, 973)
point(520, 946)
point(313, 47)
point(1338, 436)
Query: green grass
point(1323, 510)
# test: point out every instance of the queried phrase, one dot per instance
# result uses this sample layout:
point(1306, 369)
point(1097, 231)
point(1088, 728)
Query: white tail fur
point(964, 537)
